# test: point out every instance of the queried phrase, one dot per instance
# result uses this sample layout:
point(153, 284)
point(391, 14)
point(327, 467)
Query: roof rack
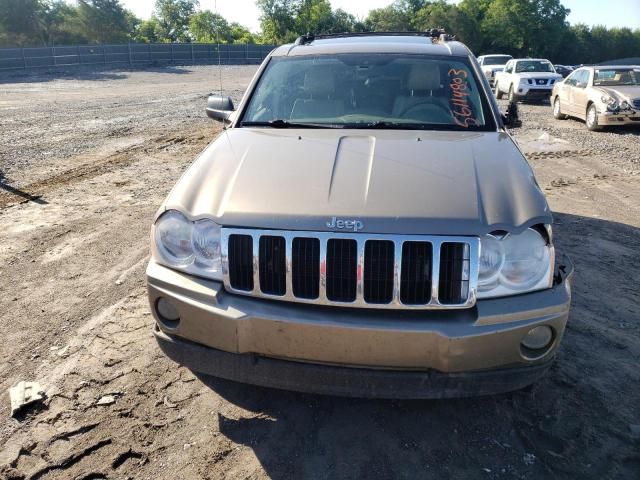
point(433, 33)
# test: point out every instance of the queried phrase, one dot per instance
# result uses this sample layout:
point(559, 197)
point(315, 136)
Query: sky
point(611, 13)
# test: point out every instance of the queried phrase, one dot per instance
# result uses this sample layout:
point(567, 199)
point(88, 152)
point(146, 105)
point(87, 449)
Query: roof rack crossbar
point(438, 33)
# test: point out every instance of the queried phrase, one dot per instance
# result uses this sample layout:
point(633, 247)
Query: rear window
point(381, 90)
point(499, 60)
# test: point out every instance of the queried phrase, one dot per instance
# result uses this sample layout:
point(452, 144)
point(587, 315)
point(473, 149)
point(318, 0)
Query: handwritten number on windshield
point(459, 102)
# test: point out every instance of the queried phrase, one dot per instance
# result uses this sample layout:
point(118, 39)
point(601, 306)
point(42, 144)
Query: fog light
point(166, 311)
point(537, 338)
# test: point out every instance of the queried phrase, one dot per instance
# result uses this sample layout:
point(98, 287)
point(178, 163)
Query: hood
point(623, 92)
point(401, 182)
point(539, 75)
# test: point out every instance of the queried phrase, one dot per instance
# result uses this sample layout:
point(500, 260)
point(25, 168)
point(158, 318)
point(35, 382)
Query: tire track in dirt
point(33, 192)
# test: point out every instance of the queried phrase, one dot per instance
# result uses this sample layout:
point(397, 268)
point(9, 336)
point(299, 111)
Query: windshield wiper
point(384, 124)
point(280, 123)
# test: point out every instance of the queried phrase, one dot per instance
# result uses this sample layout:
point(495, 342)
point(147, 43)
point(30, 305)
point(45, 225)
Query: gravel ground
point(86, 159)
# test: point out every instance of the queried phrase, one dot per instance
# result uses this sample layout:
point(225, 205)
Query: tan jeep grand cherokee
point(364, 227)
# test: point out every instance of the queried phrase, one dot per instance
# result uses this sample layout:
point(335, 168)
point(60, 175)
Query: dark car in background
point(563, 70)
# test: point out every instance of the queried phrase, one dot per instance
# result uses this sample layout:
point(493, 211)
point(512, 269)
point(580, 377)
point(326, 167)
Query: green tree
point(20, 22)
point(525, 27)
point(104, 20)
point(454, 20)
point(314, 16)
point(388, 19)
point(61, 24)
point(209, 27)
point(148, 31)
point(173, 19)
point(277, 20)
point(241, 34)
point(133, 23)
point(345, 22)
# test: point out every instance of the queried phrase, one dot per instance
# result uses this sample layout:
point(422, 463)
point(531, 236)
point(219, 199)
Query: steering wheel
point(439, 109)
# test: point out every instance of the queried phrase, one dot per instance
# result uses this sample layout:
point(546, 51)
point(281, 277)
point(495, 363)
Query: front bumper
point(342, 351)
point(619, 118)
point(534, 93)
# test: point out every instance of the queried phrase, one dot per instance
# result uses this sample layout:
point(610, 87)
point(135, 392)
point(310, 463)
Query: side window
point(573, 78)
point(582, 78)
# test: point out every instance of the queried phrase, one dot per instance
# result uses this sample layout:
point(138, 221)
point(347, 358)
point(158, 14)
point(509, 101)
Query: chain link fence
point(132, 54)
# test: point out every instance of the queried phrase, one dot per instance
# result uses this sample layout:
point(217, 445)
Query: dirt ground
point(85, 160)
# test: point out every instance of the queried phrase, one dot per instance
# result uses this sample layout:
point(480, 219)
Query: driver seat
point(424, 79)
point(320, 86)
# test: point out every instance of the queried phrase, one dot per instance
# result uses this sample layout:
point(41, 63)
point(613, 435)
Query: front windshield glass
point(534, 66)
point(369, 91)
point(617, 76)
point(497, 60)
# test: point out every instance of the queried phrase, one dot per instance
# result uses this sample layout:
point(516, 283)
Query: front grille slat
point(378, 271)
point(272, 265)
point(306, 267)
point(415, 283)
point(454, 262)
point(241, 262)
point(341, 270)
point(352, 269)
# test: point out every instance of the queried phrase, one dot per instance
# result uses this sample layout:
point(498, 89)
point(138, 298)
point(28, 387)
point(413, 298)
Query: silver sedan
point(600, 95)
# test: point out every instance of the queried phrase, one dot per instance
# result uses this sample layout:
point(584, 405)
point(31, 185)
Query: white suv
point(491, 64)
point(526, 79)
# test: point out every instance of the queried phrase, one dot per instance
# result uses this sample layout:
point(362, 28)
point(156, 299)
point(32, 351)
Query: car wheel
point(592, 118)
point(557, 113)
point(512, 95)
point(498, 92)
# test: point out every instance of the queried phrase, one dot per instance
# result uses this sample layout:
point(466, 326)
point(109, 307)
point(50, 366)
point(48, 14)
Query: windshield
point(617, 76)
point(497, 60)
point(534, 66)
point(369, 91)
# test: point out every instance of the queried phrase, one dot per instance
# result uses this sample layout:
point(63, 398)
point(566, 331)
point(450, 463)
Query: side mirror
point(511, 118)
point(219, 108)
point(581, 85)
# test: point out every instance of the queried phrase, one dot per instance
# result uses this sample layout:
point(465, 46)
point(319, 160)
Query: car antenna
point(215, 9)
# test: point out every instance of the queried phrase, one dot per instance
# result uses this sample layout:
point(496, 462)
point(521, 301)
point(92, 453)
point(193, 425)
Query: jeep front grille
point(353, 270)
point(305, 268)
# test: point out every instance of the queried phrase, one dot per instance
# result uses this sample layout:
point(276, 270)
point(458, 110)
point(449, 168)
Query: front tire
point(592, 118)
point(557, 113)
point(512, 95)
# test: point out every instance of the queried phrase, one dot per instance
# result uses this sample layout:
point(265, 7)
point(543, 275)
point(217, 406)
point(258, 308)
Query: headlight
point(610, 102)
point(173, 238)
point(206, 244)
point(625, 106)
point(514, 264)
point(193, 247)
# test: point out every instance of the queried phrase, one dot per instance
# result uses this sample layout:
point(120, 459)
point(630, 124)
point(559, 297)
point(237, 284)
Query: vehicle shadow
point(83, 73)
point(570, 424)
point(4, 186)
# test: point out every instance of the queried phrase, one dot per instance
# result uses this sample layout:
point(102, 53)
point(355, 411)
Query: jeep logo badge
point(354, 225)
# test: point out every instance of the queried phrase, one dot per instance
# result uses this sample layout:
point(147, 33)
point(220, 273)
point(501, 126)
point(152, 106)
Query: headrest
point(319, 81)
point(624, 77)
point(424, 76)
